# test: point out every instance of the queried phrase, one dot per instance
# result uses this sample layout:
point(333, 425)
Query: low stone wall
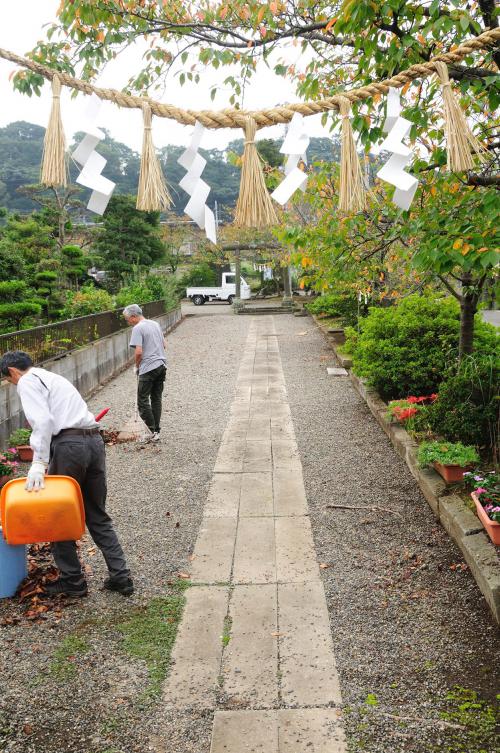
point(455, 516)
point(87, 368)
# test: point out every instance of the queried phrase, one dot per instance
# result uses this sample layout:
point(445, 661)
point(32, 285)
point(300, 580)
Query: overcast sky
point(22, 26)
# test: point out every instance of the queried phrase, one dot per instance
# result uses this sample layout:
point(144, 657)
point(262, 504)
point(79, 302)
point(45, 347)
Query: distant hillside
point(21, 146)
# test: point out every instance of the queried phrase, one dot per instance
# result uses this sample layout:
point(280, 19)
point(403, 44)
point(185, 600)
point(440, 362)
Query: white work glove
point(36, 475)
point(136, 370)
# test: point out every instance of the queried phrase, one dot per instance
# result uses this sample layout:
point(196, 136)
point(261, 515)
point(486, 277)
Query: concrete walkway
point(255, 645)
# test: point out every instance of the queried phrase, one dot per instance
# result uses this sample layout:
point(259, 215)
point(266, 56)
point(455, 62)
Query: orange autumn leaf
point(330, 23)
point(458, 244)
point(261, 13)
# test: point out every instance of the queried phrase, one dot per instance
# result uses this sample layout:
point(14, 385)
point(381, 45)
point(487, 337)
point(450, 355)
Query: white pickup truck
point(226, 292)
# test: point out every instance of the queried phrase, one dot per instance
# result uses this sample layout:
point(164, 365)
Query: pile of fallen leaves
point(29, 603)
point(110, 436)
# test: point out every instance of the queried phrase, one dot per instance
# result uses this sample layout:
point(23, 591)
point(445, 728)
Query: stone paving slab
point(223, 496)
point(295, 553)
point(257, 456)
point(310, 731)
point(255, 556)
point(197, 653)
point(256, 495)
point(307, 664)
point(250, 664)
point(286, 455)
point(245, 732)
point(289, 494)
point(278, 731)
point(213, 552)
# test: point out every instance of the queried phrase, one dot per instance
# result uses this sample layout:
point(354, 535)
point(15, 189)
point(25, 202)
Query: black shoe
point(124, 586)
point(61, 587)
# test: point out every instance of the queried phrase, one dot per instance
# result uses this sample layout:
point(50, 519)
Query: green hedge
point(406, 349)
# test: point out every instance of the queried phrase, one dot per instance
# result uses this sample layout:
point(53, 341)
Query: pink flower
point(480, 490)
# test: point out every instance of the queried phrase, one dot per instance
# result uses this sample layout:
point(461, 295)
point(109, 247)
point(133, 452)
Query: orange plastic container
point(55, 513)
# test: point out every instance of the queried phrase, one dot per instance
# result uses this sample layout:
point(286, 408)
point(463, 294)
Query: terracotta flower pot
point(451, 473)
point(4, 479)
point(492, 528)
point(24, 453)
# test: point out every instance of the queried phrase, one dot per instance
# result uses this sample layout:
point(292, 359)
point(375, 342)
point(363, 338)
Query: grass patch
point(63, 666)
point(149, 634)
point(226, 632)
point(476, 723)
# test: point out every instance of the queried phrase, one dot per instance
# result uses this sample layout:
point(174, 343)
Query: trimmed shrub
point(334, 304)
point(406, 349)
point(88, 300)
point(468, 406)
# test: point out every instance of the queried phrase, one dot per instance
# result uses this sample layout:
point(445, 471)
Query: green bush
point(19, 437)
point(12, 315)
point(334, 304)
point(88, 300)
point(468, 405)
point(199, 275)
point(137, 292)
point(446, 453)
point(406, 349)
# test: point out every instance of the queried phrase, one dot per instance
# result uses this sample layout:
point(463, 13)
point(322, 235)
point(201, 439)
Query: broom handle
point(137, 399)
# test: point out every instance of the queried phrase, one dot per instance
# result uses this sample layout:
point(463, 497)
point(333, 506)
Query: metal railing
point(53, 340)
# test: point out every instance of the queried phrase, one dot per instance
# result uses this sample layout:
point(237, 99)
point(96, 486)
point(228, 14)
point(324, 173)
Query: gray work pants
point(83, 458)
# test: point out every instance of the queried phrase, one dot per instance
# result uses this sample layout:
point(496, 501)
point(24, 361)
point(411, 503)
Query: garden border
point(458, 520)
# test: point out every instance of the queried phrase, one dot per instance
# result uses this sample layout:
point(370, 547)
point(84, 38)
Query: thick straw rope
point(254, 207)
point(232, 118)
point(351, 185)
point(152, 192)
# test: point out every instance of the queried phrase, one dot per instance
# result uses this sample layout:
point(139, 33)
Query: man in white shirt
point(151, 365)
point(65, 440)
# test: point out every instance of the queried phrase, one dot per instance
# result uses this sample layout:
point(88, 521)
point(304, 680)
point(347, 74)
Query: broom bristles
point(54, 170)
point(461, 145)
point(352, 196)
point(254, 207)
point(152, 192)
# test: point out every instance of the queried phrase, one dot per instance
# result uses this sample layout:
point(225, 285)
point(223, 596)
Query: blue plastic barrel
point(13, 567)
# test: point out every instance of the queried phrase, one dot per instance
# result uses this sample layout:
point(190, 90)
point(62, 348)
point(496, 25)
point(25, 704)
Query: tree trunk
point(468, 307)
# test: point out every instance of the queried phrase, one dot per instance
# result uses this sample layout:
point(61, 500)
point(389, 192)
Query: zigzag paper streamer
point(91, 162)
point(198, 190)
point(397, 129)
point(294, 146)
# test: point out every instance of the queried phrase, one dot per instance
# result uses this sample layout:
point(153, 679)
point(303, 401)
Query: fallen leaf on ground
point(277, 635)
point(184, 575)
point(324, 565)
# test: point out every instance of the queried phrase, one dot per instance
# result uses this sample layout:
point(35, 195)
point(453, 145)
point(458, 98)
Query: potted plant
point(20, 440)
point(486, 496)
point(450, 459)
point(7, 465)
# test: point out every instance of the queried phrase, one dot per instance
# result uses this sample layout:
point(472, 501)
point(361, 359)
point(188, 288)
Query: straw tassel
point(254, 207)
point(54, 170)
point(461, 144)
point(352, 196)
point(152, 193)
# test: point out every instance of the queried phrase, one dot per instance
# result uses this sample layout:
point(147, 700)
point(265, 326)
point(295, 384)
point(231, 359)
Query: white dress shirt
point(50, 404)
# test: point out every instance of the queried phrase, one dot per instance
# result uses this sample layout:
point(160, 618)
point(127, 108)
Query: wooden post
point(238, 304)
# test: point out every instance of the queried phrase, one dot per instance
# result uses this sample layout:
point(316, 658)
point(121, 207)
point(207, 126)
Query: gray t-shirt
point(148, 335)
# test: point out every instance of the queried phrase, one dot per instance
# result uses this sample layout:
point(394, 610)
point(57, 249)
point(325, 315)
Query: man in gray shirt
point(150, 364)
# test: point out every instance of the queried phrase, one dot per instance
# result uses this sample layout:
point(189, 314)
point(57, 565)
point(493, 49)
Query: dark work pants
point(83, 458)
point(149, 392)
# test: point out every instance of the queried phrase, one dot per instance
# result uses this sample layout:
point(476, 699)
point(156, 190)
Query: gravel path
point(408, 621)
point(93, 701)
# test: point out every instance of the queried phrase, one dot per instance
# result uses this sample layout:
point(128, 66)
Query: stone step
point(265, 310)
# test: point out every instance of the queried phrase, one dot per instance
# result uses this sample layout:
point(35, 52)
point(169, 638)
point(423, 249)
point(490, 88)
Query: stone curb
point(459, 521)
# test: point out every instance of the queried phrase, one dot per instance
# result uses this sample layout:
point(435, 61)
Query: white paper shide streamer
point(198, 190)
point(294, 146)
point(397, 129)
point(91, 162)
